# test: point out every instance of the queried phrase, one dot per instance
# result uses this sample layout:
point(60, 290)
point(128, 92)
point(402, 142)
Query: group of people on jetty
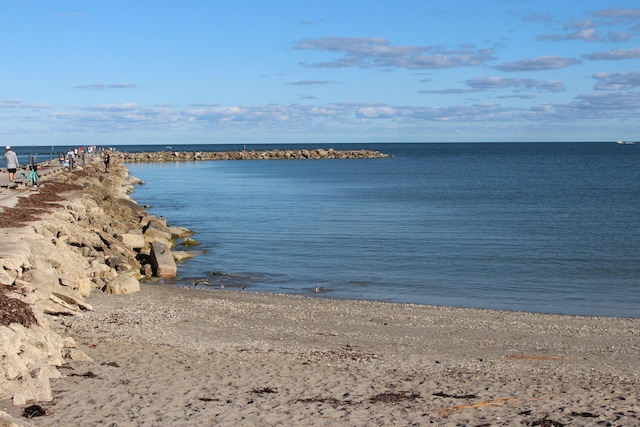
point(69, 159)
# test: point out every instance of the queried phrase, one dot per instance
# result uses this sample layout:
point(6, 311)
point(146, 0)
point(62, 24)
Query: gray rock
point(162, 261)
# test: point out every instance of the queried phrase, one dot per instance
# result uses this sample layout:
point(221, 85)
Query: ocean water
point(543, 227)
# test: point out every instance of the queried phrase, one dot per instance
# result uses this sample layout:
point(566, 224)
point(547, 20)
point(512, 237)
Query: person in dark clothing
point(107, 160)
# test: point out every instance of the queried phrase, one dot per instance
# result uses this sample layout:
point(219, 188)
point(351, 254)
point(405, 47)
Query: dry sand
point(171, 356)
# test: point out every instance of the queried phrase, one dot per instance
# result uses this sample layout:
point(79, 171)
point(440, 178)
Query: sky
point(117, 72)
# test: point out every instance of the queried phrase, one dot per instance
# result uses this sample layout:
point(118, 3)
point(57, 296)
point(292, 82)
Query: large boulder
point(162, 260)
point(122, 285)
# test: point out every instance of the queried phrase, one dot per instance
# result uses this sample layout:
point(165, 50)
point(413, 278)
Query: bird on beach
point(201, 282)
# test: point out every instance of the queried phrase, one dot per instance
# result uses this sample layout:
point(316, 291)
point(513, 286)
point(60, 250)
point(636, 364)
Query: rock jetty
point(294, 154)
point(79, 233)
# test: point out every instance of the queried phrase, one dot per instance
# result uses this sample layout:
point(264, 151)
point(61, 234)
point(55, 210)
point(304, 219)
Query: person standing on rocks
point(12, 163)
point(107, 160)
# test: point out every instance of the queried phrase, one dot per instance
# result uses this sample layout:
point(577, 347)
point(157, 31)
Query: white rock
point(123, 285)
point(132, 240)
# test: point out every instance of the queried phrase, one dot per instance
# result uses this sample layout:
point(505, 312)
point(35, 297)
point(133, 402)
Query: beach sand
point(168, 356)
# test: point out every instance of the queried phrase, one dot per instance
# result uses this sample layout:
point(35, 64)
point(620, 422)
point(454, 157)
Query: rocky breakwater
point(79, 233)
point(294, 154)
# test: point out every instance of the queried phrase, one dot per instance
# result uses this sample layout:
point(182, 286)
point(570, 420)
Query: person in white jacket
point(12, 163)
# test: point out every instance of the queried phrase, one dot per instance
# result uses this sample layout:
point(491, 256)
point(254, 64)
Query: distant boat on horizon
point(621, 142)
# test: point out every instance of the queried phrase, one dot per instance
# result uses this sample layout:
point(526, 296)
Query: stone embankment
point(79, 233)
point(296, 154)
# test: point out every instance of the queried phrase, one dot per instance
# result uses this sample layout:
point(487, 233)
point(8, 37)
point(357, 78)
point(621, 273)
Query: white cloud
point(377, 112)
point(614, 55)
point(503, 83)
point(619, 15)
point(617, 81)
point(518, 96)
point(128, 106)
point(19, 104)
point(605, 25)
point(379, 53)
point(104, 86)
point(538, 64)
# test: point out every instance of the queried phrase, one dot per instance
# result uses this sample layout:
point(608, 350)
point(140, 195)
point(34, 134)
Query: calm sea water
point(551, 227)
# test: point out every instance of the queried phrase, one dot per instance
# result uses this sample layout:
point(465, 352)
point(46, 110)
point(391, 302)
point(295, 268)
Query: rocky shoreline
point(295, 154)
point(80, 233)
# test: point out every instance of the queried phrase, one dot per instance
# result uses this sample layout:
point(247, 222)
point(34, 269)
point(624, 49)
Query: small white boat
point(621, 142)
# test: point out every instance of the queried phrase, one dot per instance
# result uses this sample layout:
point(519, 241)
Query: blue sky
point(308, 71)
